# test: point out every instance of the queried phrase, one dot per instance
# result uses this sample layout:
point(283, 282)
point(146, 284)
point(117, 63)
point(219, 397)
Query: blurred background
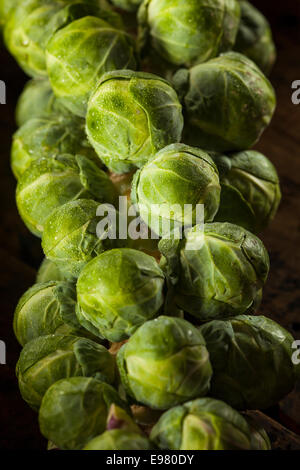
point(20, 253)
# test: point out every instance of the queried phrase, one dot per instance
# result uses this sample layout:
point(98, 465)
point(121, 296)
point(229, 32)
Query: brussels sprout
point(50, 183)
point(70, 238)
point(6, 9)
point(250, 190)
point(74, 411)
point(259, 438)
point(188, 32)
point(79, 54)
point(177, 176)
point(34, 22)
point(165, 363)
point(37, 100)
point(203, 424)
point(47, 137)
point(47, 359)
point(118, 439)
point(254, 37)
point(48, 271)
point(228, 103)
point(251, 359)
point(217, 272)
point(46, 308)
point(132, 115)
point(118, 291)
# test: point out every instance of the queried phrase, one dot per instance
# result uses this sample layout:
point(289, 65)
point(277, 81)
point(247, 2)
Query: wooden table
point(20, 253)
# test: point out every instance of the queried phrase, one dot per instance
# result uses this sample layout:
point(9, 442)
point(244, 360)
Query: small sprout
point(75, 410)
point(251, 358)
point(118, 291)
point(228, 103)
point(79, 54)
point(188, 32)
point(203, 424)
point(215, 273)
point(47, 359)
point(179, 175)
point(165, 363)
point(132, 115)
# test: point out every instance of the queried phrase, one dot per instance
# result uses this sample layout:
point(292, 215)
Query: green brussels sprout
point(74, 411)
point(70, 237)
point(259, 438)
point(165, 363)
point(228, 103)
point(188, 32)
point(250, 193)
point(254, 38)
point(48, 271)
point(44, 309)
point(216, 272)
point(33, 23)
point(79, 54)
point(177, 176)
point(128, 5)
point(37, 100)
point(252, 361)
point(6, 9)
point(50, 183)
point(47, 137)
point(118, 439)
point(47, 359)
point(132, 115)
point(203, 424)
point(118, 291)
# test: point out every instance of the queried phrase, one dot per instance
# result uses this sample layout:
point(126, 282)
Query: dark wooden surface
point(20, 254)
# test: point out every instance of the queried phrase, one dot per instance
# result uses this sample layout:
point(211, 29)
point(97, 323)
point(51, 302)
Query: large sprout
point(51, 182)
point(252, 361)
point(216, 272)
point(254, 37)
point(75, 410)
point(118, 291)
point(188, 32)
point(37, 100)
point(131, 116)
point(178, 176)
point(44, 309)
point(250, 193)
point(48, 137)
point(70, 236)
point(228, 103)
point(165, 363)
point(47, 359)
point(203, 424)
point(79, 54)
point(32, 23)
point(118, 439)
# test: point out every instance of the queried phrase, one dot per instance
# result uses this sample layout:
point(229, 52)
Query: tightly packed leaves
point(132, 115)
point(217, 272)
point(165, 363)
point(178, 175)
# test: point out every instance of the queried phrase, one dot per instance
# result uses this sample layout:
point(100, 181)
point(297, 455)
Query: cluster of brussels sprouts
point(122, 349)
